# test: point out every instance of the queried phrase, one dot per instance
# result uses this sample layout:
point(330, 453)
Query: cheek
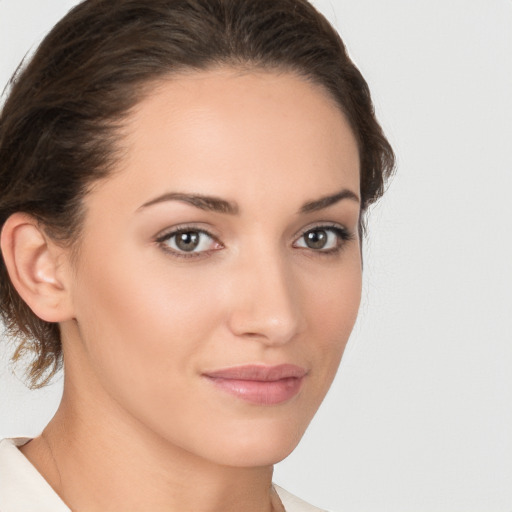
point(143, 339)
point(331, 309)
point(139, 323)
point(333, 297)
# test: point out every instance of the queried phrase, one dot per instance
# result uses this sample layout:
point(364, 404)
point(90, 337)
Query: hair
point(60, 122)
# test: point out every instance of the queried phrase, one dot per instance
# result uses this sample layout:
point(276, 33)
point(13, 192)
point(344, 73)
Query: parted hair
point(64, 109)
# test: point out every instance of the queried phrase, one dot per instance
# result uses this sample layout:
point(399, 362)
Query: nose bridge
point(266, 302)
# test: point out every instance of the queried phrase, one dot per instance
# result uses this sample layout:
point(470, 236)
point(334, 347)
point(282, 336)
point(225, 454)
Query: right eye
point(188, 242)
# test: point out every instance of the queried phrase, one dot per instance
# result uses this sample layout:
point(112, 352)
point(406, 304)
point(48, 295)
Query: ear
point(38, 268)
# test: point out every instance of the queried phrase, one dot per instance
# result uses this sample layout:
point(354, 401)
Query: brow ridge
point(208, 203)
point(216, 204)
point(326, 201)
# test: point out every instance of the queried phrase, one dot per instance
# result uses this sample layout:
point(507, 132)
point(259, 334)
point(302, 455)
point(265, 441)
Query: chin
point(256, 445)
point(263, 454)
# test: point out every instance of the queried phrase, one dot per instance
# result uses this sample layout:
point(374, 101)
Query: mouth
point(260, 384)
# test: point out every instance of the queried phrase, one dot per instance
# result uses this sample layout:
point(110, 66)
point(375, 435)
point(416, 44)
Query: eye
point(188, 242)
point(325, 239)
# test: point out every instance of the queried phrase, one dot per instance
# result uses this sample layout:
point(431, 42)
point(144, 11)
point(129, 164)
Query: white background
point(420, 416)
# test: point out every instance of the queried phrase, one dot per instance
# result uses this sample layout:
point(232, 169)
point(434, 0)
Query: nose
point(265, 303)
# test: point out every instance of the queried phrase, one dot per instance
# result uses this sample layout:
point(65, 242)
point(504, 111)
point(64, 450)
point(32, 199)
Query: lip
point(259, 384)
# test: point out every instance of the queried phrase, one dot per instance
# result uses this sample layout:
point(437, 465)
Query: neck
point(98, 457)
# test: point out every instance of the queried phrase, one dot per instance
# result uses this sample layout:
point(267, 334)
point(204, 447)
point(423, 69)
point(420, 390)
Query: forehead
point(238, 135)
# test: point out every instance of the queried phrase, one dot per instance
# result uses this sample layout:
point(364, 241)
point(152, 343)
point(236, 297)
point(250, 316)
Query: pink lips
point(263, 385)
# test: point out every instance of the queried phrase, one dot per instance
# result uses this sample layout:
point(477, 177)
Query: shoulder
point(293, 504)
point(22, 488)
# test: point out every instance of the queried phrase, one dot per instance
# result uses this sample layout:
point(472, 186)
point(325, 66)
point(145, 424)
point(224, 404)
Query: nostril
point(263, 327)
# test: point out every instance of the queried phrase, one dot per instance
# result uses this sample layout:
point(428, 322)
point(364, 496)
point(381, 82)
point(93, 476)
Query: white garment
point(23, 489)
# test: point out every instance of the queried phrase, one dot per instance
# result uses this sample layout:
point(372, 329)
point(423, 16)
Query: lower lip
point(260, 392)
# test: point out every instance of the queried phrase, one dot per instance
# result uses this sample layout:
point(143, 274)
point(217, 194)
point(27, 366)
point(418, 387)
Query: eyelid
point(168, 233)
point(342, 232)
point(323, 225)
point(182, 228)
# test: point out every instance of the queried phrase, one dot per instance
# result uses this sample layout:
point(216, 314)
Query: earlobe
point(36, 267)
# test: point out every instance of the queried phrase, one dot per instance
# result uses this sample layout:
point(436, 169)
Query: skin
point(139, 427)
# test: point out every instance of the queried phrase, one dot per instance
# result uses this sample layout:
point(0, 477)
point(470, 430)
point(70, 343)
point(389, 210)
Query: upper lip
point(258, 372)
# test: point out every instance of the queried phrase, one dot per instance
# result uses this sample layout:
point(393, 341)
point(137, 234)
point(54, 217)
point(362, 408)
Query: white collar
point(23, 488)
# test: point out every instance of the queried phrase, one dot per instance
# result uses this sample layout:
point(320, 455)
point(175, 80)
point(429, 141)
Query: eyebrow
point(326, 201)
point(216, 204)
point(208, 203)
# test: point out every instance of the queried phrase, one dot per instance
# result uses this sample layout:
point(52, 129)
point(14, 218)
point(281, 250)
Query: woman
point(184, 185)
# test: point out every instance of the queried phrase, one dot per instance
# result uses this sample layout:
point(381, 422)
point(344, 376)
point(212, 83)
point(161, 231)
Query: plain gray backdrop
point(420, 415)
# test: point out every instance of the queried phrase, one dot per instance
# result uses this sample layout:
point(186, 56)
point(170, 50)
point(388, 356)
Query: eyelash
point(343, 235)
point(165, 237)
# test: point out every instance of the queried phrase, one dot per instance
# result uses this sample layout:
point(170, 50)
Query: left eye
point(188, 241)
point(322, 239)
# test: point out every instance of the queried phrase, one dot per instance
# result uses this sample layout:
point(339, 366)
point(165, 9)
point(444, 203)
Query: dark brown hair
point(59, 124)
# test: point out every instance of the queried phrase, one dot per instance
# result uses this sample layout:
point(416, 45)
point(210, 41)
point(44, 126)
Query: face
point(219, 271)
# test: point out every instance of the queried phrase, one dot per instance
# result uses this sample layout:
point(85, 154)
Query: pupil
point(187, 241)
point(316, 239)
